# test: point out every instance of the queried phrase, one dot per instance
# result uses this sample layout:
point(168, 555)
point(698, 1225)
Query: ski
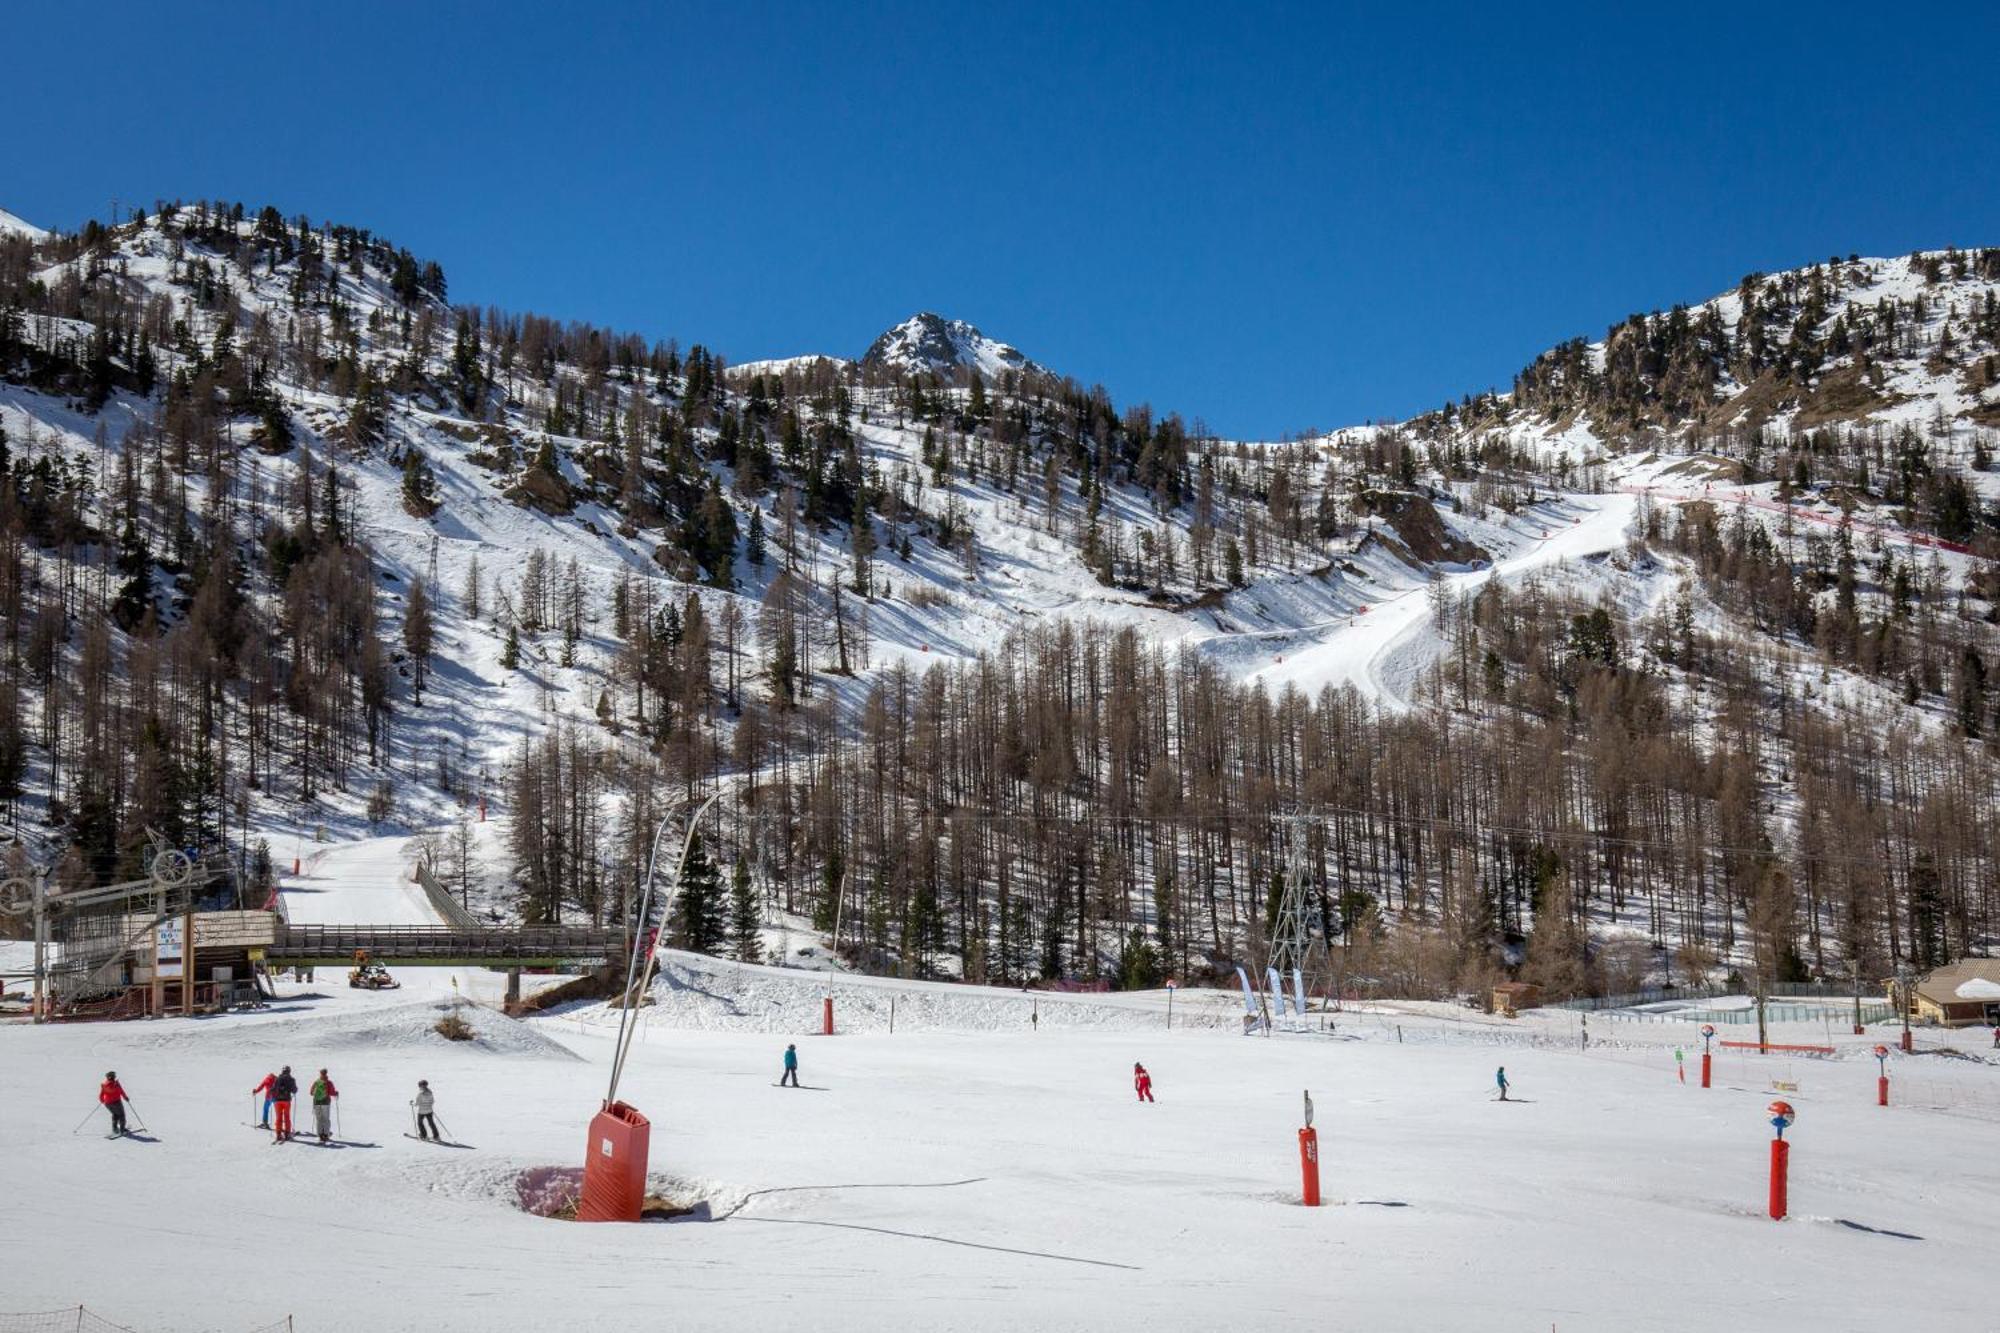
point(442, 1143)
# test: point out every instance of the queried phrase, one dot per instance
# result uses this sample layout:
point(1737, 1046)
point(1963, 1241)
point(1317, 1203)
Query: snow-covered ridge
point(10, 223)
point(929, 342)
point(781, 365)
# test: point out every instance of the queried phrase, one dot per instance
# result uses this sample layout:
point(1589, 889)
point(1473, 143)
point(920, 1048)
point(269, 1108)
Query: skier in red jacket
point(1142, 1082)
point(270, 1082)
point(112, 1095)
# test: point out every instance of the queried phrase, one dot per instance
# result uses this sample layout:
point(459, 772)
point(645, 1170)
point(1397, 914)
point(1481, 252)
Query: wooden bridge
point(446, 946)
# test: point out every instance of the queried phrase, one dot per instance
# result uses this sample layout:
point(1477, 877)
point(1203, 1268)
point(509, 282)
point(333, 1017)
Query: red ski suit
point(1142, 1083)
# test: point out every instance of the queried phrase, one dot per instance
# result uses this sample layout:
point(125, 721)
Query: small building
point(1959, 994)
point(1510, 997)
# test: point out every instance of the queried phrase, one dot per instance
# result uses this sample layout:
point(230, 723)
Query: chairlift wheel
point(17, 897)
point(172, 868)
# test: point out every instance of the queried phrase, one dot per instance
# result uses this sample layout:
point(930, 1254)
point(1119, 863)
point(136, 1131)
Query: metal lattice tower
point(1292, 938)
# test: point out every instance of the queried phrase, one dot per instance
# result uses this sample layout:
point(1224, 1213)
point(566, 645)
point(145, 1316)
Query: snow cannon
point(1782, 1116)
point(614, 1165)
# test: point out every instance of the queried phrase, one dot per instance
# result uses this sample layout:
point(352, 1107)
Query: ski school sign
point(167, 948)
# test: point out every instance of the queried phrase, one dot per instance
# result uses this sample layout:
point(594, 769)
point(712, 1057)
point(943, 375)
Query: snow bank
point(393, 1027)
point(708, 994)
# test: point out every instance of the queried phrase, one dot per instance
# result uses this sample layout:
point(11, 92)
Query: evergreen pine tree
point(1138, 963)
point(699, 924)
point(419, 484)
point(863, 533)
point(784, 667)
point(743, 911)
point(135, 594)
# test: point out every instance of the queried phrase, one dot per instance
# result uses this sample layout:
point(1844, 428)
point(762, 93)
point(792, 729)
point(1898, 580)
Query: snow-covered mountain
point(931, 343)
point(226, 428)
point(1848, 344)
point(10, 223)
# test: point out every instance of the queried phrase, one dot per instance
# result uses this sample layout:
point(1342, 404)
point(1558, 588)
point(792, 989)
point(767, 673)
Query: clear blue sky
point(1267, 218)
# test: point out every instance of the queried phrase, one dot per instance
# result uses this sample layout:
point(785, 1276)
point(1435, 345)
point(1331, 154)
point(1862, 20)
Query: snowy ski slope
point(978, 1176)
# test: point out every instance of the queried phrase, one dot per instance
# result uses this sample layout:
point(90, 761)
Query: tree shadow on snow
point(1873, 1231)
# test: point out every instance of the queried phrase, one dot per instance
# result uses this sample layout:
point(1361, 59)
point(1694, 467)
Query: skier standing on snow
point(1142, 1082)
point(282, 1093)
point(791, 1067)
point(1501, 1079)
point(427, 1125)
point(112, 1095)
point(323, 1093)
point(266, 1087)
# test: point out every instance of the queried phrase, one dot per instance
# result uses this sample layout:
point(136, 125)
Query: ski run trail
point(1382, 647)
point(985, 1166)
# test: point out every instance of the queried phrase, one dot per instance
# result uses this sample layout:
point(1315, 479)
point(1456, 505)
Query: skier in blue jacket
point(791, 1077)
point(1501, 1078)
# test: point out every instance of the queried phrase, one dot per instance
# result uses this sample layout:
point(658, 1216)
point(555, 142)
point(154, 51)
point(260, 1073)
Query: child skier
point(112, 1095)
point(791, 1077)
point(1501, 1079)
point(282, 1093)
point(1142, 1082)
point(270, 1082)
point(427, 1125)
point(323, 1093)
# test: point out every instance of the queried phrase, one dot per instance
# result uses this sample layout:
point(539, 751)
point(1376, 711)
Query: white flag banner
point(1249, 996)
point(1277, 992)
point(1299, 992)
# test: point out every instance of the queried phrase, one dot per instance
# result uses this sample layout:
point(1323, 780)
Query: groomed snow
point(1000, 1177)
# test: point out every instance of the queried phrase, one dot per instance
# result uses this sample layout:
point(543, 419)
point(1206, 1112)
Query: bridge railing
point(447, 907)
point(417, 943)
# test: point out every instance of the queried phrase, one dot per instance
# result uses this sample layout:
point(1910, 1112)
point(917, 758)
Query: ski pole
point(133, 1107)
point(86, 1120)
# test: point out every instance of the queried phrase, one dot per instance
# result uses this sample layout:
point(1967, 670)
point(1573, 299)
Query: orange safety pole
point(1707, 1035)
point(1781, 1116)
point(1309, 1158)
point(1882, 1076)
point(826, 1017)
